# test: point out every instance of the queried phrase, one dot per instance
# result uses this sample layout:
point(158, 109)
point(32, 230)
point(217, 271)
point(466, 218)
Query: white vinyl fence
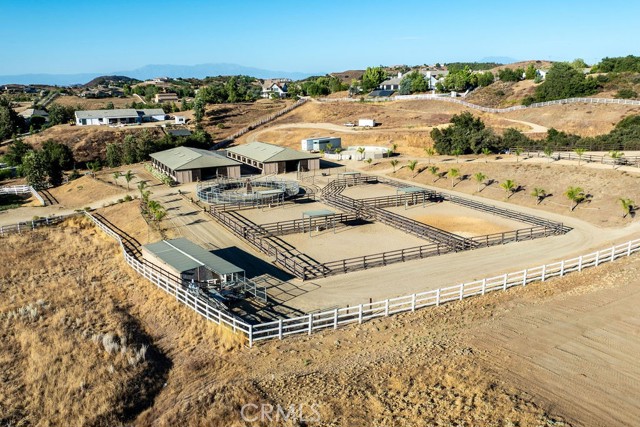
point(487, 109)
point(22, 189)
point(331, 319)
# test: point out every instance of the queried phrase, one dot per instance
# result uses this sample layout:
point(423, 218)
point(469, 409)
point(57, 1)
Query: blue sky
point(68, 36)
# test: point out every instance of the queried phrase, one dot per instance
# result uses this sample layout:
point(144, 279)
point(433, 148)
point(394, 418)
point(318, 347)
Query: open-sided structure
point(273, 159)
point(185, 164)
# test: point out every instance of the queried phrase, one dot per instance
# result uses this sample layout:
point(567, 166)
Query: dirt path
point(535, 128)
point(576, 354)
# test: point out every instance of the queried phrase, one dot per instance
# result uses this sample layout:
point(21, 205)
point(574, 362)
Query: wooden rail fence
point(337, 317)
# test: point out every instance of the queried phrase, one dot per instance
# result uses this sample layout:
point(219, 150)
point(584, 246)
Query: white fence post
point(543, 275)
point(250, 336)
point(437, 297)
point(597, 262)
point(561, 268)
point(504, 283)
point(613, 253)
point(461, 291)
point(335, 319)
point(310, 323)
point(524, 277)
point(360, 314)
point(629, 248)
point(413, 303)
point(386, 307)
point(280, 328)
point(580, 263)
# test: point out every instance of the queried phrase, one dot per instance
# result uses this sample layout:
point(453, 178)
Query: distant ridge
point(149, 71)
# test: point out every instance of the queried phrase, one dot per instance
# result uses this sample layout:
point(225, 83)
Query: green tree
point(486, 153)
point(360, 151)
point(517, 152)
point(575, 195)
point(435, 171)
point(549, 153)
point(16, 151)
point(480, 178)
point(453, 173)
point(198, 109)
point(368, 161)
point(564, 81)
point(457, 152)
point(60, 114)
point(34, 168)
point(616, 156)
point(411, 165)
point(530, 72)
point(372, 77)
point(509, 187)
point(580, 152)
point(10, 121)
point(113, 156)
point(116, 176)
point(539, 193)
point(467, 134)
point(128, 176)
point(394, 163)
point(628, 207)
point(430, 152)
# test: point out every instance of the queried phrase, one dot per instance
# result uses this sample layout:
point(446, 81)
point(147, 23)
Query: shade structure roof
point(184, 255)
point(266, 153)
point(186, 158)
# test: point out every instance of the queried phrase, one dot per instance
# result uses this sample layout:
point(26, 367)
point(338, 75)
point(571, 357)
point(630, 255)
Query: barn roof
point(184, 255)
point(267, 153)
point(186, 158)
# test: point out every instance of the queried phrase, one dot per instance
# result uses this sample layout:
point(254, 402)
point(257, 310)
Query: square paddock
point(285, 212)
point(460, 220)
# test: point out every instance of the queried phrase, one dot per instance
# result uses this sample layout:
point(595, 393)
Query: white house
point(118, 116)
point(278, 87)
point(392, 83)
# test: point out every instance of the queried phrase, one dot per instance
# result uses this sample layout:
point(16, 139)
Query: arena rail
point(22, 189)
point(332, 319)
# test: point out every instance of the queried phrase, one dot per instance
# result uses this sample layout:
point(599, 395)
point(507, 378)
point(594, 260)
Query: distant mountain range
point(150, 71)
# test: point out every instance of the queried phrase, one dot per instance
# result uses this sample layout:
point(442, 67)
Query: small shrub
point(128, 198)
point(626, 94)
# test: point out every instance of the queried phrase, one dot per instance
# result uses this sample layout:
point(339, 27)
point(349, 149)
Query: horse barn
point(186, 164)
point(273, 159)
point(185, 259)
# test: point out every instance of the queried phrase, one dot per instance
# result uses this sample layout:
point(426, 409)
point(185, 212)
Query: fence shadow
point(252, 265)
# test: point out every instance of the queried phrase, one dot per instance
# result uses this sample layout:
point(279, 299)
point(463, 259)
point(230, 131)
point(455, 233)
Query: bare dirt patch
point(83, 192)
point(93, 104)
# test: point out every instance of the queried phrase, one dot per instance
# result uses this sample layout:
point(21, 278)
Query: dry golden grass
point(399, 371)
point(93, 104)
point(84, 191)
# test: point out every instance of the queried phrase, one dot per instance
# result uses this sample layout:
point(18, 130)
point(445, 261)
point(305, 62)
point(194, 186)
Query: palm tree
point(548, 152)
point(435, 172)
point(457, 152)
point(360, 151)
point(576, 195)
point(616, 156)
point(453, 174)
point(141, 186)
point(394, 147)
point(517, 152)
point(116, 175)
point(338, 150)
point(94, 167)
point(627, 207)
point(128, 177)
point(539, 194)
point(368, 161)
point(479, 177)
point(509, 186)
point(486, 153)
point(394, 163)
point(430, 152)
point(412, 165)
point(329, 147)
point(580, 152)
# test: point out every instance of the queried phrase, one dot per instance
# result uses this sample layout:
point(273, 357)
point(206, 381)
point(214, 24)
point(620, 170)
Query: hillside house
point(120, 116)
point(278, 88)
point(392, 83)
point(161, 98)
point(31, 113)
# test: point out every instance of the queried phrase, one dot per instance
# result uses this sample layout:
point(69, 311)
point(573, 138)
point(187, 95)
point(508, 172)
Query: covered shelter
point(191, 262)
point(186, 164)
point(273, 159)
point(415, 194)
point(316, 214)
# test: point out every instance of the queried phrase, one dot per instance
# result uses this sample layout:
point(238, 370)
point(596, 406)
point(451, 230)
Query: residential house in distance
point(31, 113)
point(161, 98)
point(102, 92)
point(392, 83)
point(433, 77)
point(275, 87)
point(118, 116)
